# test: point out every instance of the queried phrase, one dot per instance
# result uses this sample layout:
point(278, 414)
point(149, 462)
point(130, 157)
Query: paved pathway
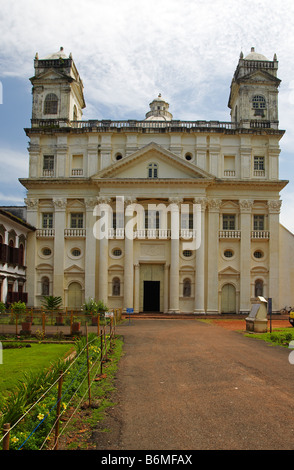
point(186, 384)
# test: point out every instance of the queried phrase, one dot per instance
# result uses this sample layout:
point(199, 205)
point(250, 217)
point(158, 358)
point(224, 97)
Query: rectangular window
point(258, 222)
point(47, 220)
point(118, 220)
point(76, 220)
point(77, 165)
point(152, 220)
point(259, 163)
point(48, 162)
point(187, 220)
point(229, 222)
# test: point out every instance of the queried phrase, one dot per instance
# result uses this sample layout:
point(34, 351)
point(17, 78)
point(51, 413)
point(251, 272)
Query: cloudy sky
point(128, 51)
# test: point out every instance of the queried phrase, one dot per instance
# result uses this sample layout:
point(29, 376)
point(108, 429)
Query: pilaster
point(59, 224)
point(212, 263)
point(199, 306)
point(245, 250)
point(273, 216)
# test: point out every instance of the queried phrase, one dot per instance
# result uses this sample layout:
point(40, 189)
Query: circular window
point(258, 254)
point(116, 252)
point(187, 253)
point(76, 252)
point(118, 156)
point(228, 253)
point(188, 156)
point(46, 251)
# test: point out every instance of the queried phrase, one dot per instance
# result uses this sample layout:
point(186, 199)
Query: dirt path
point(185, 384)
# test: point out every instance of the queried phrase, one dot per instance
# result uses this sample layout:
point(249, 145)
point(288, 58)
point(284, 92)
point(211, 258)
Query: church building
point(158, 214)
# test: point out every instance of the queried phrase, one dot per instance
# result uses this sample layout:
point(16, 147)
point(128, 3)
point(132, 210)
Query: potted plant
point(52, 304)
point(93, 309)
point(20, 308)
point(76, 328)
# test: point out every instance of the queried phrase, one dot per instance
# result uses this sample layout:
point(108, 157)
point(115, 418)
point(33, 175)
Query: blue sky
point(128, 51)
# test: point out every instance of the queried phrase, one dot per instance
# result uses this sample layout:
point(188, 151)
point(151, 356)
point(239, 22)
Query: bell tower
point(57, 89)
point(254, 92)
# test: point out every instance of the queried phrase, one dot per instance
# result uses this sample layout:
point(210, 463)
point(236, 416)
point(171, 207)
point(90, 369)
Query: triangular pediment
point(229, 271)
point(51, 74)
point(260, 76)
point(73, 269)
point(170, 166)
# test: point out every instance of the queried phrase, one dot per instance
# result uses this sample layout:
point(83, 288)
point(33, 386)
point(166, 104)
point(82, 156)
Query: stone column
point(174, 290)
point(199, 305)
point(104, 211)
point(31, 251)
point(137, 289)
point(165, 287)
point(274, 211)
point(59, 226)
point(212, 262)
point(245, 254)
point(129, 255)
point(90, 249)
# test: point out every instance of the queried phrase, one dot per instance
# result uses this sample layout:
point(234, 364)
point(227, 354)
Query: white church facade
point(154, 187)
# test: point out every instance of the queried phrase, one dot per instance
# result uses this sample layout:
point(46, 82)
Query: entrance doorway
point(151, 296)
point(228, 299)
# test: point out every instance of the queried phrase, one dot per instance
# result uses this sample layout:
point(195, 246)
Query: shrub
point(51, 303)
point(19, 307)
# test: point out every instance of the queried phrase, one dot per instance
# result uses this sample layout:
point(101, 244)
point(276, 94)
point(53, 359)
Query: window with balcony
point(229, 222)
point(152, 219)
point(51, 104)
point(77, 165)
point(186, 220)
point(47, 220)
point(48, 165)
point(76, 220)
point(259, 166)
point(258, 222)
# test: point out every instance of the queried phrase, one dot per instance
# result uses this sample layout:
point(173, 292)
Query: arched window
point(152, 170)
point(187, 288)
point(11, 252)
point(75, 113)
point(21, 255)
point(115, 286)
point(259, 105)
point(258, 288)
point(51, 104)
point(45, 286)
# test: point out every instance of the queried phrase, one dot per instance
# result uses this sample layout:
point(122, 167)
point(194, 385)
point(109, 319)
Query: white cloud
point(128, 51)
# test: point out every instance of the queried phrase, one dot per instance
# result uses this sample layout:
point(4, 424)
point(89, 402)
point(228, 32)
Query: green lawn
point(38, 356)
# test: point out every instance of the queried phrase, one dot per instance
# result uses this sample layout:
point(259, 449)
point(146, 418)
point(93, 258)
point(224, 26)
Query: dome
point(56, 55)
point(159, 110)
point(255, 56)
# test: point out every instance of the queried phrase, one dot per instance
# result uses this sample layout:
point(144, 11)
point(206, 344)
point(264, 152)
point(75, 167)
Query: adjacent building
point(14, 234)
point(117, 205)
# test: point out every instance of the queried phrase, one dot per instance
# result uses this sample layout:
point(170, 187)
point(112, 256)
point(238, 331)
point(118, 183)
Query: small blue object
point(130, 310)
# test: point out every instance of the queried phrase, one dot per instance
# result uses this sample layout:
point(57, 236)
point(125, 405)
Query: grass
point(280, 337)
point(34, 358)
point(78, 435)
